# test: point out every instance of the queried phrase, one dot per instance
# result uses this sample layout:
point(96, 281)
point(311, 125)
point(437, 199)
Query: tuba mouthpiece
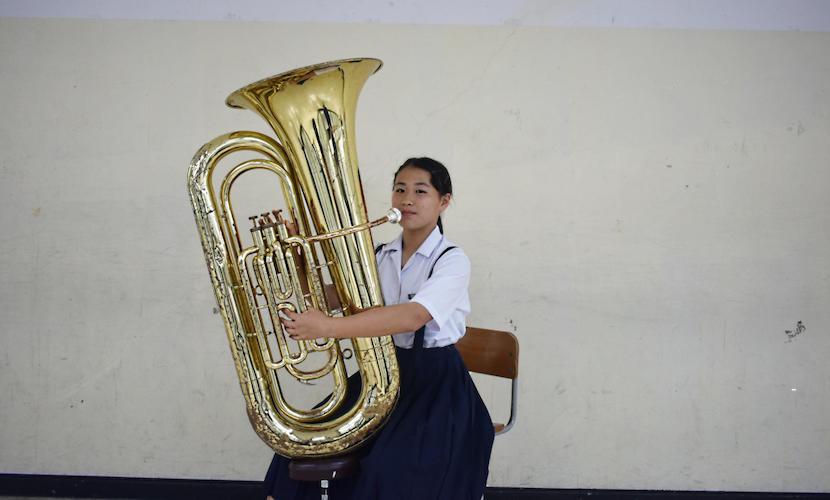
point(394, 215)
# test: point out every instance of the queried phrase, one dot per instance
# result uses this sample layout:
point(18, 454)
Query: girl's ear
point(445, 201)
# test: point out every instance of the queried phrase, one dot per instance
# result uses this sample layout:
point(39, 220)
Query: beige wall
point(646, 209)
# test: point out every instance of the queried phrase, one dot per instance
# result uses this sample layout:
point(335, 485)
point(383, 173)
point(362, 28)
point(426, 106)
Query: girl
point(436, 443)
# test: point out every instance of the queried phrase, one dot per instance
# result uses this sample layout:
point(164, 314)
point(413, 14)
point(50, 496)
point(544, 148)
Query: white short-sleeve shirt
point(444, 295)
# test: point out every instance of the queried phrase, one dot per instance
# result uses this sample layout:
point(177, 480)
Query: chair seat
point(321, 469)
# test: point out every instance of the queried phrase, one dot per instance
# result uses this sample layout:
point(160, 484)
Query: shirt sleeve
point(446, 290)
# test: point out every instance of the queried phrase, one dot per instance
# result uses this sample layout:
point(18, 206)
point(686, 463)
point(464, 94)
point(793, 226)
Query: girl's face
point(419, 202)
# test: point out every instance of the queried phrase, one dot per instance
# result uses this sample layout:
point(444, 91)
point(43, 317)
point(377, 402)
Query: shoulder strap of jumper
point(418, 343)
point(436, 260)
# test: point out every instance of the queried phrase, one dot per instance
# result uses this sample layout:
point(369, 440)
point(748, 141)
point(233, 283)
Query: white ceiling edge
point(754, 15)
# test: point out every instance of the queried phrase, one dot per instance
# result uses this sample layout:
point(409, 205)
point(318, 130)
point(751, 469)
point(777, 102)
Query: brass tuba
point(318, 254)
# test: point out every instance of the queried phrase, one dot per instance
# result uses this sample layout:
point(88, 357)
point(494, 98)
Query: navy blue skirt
point(435, 445)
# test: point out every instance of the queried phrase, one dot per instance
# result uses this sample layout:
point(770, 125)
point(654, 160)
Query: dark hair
point(439, 177)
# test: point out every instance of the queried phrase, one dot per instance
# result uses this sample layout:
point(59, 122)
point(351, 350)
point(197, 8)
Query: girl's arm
point(375, 322)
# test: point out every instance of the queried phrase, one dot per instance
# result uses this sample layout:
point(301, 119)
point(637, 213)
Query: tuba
point(316, 253)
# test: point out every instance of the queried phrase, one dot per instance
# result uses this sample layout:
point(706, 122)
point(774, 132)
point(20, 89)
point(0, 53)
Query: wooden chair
point(493, 352)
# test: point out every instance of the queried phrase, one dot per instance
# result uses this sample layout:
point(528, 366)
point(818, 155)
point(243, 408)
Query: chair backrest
point(492, 352)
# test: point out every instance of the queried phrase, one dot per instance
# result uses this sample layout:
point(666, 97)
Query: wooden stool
point(323, 470)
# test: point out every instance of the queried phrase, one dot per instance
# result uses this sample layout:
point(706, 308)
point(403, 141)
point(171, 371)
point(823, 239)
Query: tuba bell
point(318, 254)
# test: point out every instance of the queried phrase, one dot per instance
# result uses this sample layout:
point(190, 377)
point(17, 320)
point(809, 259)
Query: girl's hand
point(310, 325)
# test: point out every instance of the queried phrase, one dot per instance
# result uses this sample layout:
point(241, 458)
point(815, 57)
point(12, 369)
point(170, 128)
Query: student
point(436, 443)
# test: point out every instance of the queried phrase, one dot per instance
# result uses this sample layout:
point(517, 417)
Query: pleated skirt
point(436, 443)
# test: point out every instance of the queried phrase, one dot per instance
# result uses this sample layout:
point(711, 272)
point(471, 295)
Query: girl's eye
point(420, 191)
point(398, 190)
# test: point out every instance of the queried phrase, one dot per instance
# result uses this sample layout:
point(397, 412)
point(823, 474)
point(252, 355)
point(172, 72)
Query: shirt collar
point(427, 247)
point(432, 241)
